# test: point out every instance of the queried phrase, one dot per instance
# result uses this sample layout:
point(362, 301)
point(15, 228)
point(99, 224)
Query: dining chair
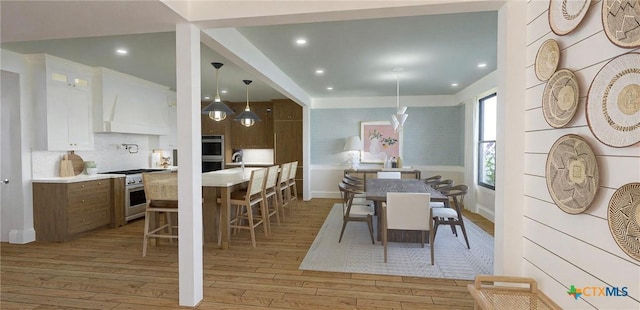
point(408, 211)
point(360, 197)
point(161, 192)
point(283, 188)
point(270, 193)
point(354, 213)
point(452, 216)
point(441, 184)
point(246, 200)
point(293, 187)
point(389, 175)
point(432, 179)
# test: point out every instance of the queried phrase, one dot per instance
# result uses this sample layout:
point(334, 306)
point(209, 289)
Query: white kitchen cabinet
point(63, 103)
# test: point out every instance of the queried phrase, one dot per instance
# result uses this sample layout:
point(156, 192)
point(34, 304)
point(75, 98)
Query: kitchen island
point(220, 184)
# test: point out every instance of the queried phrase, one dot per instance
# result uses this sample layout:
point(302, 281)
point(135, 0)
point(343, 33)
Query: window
point(487, 141)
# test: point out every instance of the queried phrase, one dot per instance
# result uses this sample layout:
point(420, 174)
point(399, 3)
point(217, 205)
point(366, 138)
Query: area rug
point(356, 254)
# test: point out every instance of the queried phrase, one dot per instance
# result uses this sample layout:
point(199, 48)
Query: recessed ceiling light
point(454, 84)
point(319, 71)
point(121, 51)
point(224, 91)
point(329, 88)
point(207, 98)
point(482, 65)
point(301, 41)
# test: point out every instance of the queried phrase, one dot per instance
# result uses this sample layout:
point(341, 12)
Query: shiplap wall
point(561, 250)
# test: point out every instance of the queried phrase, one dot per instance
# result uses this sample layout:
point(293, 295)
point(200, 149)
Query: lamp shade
point(353, 144)
point(217, 107)
point(217, 110)
point(247, 118)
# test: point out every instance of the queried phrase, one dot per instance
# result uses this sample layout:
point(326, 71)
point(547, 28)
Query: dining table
point(377, 189)
point(215, 216)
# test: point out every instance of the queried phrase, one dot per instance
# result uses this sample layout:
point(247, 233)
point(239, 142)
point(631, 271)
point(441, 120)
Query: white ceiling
point(358, 56)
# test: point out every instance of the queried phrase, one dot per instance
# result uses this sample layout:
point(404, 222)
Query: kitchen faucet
point(234, 157)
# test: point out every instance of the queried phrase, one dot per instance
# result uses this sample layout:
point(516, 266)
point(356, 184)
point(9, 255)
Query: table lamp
point(353, 146)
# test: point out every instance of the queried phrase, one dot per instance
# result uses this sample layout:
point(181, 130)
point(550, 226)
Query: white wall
point(107, 154)
point(480, 200)
point(560, 249)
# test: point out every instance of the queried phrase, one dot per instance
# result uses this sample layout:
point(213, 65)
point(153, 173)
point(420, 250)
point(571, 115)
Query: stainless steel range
point(135, 201)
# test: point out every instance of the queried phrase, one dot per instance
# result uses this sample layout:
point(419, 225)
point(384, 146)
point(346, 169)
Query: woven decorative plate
point(620, 20)
point(565, 15)
point(547, 59)
point(624, 219)
point(560, 98)
point(572, 174)
point(613, 102)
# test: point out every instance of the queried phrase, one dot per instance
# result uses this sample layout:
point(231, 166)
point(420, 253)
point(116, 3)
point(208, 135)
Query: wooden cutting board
point(76, 162)
point(66, 167)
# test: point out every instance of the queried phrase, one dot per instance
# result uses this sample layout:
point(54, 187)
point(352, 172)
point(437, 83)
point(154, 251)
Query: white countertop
point(249, 164)
point(227, 177)
point(78, 178)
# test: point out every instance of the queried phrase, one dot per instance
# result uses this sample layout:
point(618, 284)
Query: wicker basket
point(491, 296)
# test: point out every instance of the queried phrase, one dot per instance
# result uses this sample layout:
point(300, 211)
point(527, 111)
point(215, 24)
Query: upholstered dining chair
point(293, 187)
point(246, 200)
point(452, 216)
point(270, 193)
point(161, 192)
point(389, 175)
point(408, 211)
point(352, 212)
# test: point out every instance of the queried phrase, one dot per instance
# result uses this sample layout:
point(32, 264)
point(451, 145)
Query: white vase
point(375, 147)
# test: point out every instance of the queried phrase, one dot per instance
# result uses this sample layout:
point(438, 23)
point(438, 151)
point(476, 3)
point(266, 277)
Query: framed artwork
point(380, 142)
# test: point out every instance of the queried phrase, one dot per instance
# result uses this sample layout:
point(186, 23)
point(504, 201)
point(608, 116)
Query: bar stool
point(161, 191)
point(246, 201)
point(283, 187)
point(270, 193)
point(293, 189)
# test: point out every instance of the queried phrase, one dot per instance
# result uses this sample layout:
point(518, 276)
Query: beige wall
point(560, 249)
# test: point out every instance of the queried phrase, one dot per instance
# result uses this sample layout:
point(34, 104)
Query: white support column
point(306, 155)
point(189, 165)
point(510, 138)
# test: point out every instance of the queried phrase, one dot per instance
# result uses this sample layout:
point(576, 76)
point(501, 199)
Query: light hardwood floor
point(105, 270)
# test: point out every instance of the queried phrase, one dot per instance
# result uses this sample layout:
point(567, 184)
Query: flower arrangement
point(377, 135)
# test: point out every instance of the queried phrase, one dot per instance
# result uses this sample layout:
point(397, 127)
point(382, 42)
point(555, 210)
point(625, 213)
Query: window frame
point(481, 142)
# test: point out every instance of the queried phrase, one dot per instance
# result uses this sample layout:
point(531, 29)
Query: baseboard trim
point(486, 213)
point(22, 236)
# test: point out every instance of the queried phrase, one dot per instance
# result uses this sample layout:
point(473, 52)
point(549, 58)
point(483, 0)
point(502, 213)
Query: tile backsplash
point(107, 154)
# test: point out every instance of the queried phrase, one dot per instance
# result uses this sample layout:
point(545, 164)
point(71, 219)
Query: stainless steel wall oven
point(212, 153)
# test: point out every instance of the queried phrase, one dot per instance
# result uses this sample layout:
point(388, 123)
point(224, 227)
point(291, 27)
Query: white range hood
point(127, 104)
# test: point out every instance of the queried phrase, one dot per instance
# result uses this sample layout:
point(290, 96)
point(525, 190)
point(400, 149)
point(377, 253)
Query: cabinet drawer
point(83, 197)
point(90, 219)
point(89, 186)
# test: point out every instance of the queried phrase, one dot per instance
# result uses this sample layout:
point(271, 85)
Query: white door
point(10, 180)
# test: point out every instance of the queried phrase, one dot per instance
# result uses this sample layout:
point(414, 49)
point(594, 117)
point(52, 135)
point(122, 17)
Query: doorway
point(10, 159)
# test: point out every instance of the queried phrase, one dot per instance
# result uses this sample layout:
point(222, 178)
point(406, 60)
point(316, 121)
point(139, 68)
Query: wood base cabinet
point(61, 211)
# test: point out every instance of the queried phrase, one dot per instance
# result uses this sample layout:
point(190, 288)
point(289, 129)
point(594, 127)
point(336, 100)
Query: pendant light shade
point(247, 118)
point(217, 110)
point(398, 119)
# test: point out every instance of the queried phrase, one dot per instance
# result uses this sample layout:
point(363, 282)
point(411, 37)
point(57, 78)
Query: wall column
point(510, 138)
point(190, 164)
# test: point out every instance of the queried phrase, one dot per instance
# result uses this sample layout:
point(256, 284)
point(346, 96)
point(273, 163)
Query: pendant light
point(217, 110)
point(247, 118)
point(400, 117)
